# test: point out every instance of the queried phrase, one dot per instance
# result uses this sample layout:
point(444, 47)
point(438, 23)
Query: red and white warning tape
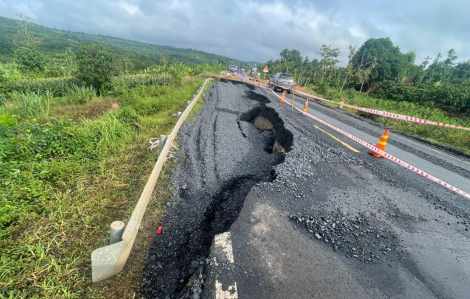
point(386, 155)
point(389, 114)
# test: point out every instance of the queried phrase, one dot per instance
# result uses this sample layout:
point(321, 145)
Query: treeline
point(55, 42)
point(381, 69)
point(36, 65)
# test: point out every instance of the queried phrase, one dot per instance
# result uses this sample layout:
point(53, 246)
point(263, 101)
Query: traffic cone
point(305, 106)
point(259, 85)
point(283, 97)
point(381, 144)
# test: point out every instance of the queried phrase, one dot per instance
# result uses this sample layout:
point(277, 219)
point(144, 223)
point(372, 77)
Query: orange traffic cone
point(283, 97)
point(381, 144)
point(305, 106)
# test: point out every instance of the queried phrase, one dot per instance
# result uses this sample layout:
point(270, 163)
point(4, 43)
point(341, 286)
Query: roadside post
point(162, 143)
point(341, 103)
point(115, 232)
point(293, 98)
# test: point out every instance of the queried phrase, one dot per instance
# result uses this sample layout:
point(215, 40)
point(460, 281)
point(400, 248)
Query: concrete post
point(178, 115)
point(162, 143)
point(115, 232)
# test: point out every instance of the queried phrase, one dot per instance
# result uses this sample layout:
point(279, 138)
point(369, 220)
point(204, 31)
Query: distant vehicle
point(254, 73)
point(282, 82)
point(232, 68)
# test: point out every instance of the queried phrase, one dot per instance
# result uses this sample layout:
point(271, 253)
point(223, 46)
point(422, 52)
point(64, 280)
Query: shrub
point(321, 88)
point(129, 116)
point(81, 94)
point(95, 65)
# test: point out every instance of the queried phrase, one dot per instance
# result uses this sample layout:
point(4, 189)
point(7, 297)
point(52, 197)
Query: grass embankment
point(459, 139)
point(70, 167)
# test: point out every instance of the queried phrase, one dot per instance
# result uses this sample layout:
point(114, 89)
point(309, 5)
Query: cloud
point(130, 8)
point(260, 29)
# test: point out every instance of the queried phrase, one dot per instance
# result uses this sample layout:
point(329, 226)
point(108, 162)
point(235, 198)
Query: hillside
point(55, 41)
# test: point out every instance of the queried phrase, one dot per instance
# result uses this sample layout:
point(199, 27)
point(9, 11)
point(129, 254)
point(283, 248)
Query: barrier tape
point(385, 154)
point(389, 114)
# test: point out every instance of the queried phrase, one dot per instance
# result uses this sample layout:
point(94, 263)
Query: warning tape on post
point(385, 154)
point(389, 114)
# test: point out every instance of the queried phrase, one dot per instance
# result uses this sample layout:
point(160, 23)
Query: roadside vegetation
point(74, 154)
point(379, 76)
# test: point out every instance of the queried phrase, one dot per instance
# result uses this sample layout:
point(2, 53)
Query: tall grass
point(131, 81)
point(62, 184)
point(28, 104)
point(81, 94)
point(108, 131)
point(57, 86)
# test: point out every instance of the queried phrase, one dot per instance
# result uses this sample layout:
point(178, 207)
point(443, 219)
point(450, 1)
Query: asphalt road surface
point(267, 203)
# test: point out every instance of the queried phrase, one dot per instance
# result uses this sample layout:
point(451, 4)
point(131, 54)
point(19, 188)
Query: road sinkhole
point(222, 156)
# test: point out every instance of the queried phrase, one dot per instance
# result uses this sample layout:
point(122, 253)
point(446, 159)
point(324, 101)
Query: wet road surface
point(266, 205)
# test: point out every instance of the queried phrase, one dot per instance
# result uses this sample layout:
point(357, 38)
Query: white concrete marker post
point(115, 232)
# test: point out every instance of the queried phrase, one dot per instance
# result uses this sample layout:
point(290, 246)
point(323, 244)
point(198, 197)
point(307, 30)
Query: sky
point(258, 30)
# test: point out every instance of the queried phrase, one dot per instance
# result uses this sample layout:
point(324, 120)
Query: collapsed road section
point(252, 216)
point(233, 143)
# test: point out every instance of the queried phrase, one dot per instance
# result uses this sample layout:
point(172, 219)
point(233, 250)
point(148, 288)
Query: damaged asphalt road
point(263, 205)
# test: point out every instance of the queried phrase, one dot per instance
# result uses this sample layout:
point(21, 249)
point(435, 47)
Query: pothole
point(176, 262)
point(265, 118)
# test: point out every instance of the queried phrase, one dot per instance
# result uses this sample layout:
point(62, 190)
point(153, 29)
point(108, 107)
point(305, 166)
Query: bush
point(446, 96)
point(95, 65)
point(81, 94)
point(129, 116)
point(321, 88)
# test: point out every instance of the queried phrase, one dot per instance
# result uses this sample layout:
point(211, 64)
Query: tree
point(30, 60)
point(27, 56)
point(123, 65)
point(329, 60)
point(391, 63)
point(24, 38)
point(95, 65)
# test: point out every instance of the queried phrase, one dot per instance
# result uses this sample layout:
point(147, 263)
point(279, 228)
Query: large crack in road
point(302, 216)
point(231, 145)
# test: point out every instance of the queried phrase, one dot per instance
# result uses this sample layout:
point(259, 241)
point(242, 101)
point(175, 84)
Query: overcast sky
point(258, 30)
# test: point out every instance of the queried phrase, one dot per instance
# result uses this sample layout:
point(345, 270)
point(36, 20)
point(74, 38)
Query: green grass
point(62, 182)
point(458, 139)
